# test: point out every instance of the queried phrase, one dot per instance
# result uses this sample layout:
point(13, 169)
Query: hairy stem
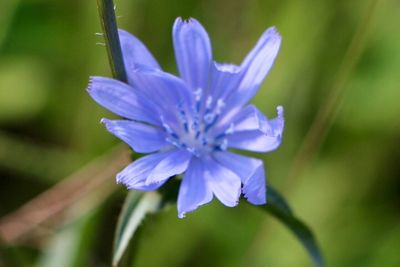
point(109, 25)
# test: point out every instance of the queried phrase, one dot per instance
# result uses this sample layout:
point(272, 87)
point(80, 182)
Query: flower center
point(194, 131)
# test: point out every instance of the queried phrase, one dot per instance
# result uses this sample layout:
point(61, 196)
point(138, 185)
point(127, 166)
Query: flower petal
point(134, 176)
point(121, 99)
point(135, 52)
point(249, 118)
point(255, 141)
point(175, 163)
point(254, 189)
point(224, 183)
point(194, 190)
point(250, 171)
point(260, 59)
point(165, 90)
point(266, 138)
point(225, 79)
point(140, 137)
point(256, 66)
point(192, 51)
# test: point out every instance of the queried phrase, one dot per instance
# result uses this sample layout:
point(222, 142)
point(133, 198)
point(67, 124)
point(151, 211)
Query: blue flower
point(187, 124)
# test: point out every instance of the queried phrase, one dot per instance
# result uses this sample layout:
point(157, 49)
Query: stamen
point(204, 115)
point(196, 122)
point(220, 136)
point(197, 96)
point(227, 132)
point(223, 145)
point(230, 130)
point(209, 102)
point(198, 93)
point(183, 118)
point(193, 151)
point(209, 118)
point(167, 128)
point(174, 142)
point(195, 125)
point(220, 106)
point(212, 120)
point(204, 141)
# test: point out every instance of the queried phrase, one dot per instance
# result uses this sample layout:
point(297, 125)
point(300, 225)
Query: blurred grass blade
point(72, 245)
point(131, 202)
point(135, 208)
point(278, 207)
point(109, 25)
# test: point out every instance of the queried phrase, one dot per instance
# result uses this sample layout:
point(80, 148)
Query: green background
point(346, 187)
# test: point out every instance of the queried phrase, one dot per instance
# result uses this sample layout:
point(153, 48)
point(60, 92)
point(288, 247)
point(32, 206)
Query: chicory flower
point(187, 124)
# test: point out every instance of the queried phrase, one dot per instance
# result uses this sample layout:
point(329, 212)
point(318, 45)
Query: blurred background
point(337, 74)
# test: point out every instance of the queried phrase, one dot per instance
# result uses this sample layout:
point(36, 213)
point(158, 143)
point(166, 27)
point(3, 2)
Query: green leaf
point(277, 206)
point(135, 208)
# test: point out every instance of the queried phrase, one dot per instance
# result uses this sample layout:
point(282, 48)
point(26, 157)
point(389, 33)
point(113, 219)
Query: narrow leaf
point(277, 206)
point(135, 208)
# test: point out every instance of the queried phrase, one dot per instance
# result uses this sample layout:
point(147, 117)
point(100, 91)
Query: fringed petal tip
point(193, 53)
point(182, 213)
point(89, 86)
point(227, 67)
point(234, 204)
point(278, 123)
point(92, 80)
point(136, 185)
point(273, 31)
point(119, 179)
point(104, 121)
point(145, 188)
point(179, 21)
point(272, 35)
point(257, 201)
point(280, 111)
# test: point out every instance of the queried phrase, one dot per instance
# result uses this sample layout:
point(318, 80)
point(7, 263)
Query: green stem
point(109, 25)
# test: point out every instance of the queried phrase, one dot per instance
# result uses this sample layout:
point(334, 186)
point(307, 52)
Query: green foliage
point(137, 205)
